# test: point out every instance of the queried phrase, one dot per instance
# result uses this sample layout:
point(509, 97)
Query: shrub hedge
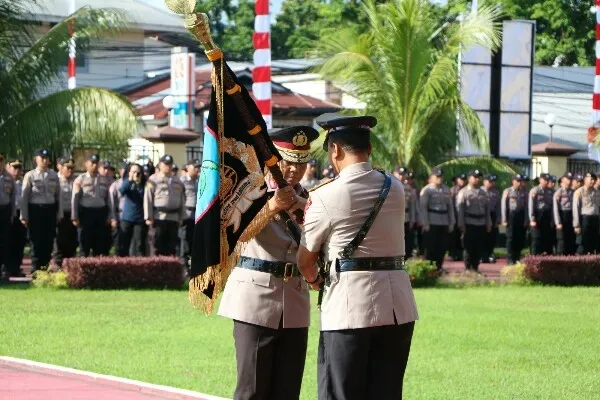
point(125, 272)
point(422, 273)
point(563, 270)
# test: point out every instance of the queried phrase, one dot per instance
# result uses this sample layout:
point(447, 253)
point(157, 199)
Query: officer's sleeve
point(555, 198)
point(451, 211)
point(488, 214)
point(576, 208)
point(531, 203)
point(25, 194)
point(424, 200)
point(75, 198)
point(149, 201)
point(460, 205)
point(58, 200)
point(503, 205)
point(317, 224)
point(125, 186)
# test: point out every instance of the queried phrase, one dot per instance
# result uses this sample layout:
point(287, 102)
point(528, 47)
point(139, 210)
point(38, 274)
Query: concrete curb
point(129, 384)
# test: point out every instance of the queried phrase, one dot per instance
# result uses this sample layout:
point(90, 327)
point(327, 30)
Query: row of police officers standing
point(58, 212)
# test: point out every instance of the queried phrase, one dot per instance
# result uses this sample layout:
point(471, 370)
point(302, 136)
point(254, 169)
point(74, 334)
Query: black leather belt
point(475, 215)
point(437, 211)
point(370, 264)
point(278, 269)
point(167, 210)
point(191, 209)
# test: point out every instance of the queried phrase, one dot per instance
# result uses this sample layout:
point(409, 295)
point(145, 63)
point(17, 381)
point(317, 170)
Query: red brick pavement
point(26, 380)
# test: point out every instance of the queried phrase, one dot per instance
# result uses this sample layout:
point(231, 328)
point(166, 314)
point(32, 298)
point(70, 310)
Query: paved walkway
point(28, 380)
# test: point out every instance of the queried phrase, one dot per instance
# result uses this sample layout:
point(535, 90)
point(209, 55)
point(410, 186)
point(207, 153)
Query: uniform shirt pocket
point(253, 277)
point(37, 185)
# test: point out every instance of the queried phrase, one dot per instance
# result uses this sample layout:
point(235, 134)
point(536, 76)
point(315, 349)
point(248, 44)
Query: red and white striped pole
point(593, 150)
point(71, 66)
point(261, 74)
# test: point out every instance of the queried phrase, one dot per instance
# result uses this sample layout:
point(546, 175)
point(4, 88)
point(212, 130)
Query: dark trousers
point(588, 241)
point(490, 239)
point(565, 237)
point(542, 238)
point(435, 244)
point(270, 362)
point(409, 240)
point(132, 236)
point(515, 236)
point(66, 239)
point(5, 222)
point(42, 229)
point(93, 230)
point(456, 249)
point(165, 238)
point(18, 240)
point(473, 241)
point(363, 364)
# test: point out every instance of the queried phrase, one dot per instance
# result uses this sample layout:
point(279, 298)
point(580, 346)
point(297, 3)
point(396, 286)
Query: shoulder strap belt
point(362, 233)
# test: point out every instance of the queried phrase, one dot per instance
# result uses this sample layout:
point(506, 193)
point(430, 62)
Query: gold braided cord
point(259, 223)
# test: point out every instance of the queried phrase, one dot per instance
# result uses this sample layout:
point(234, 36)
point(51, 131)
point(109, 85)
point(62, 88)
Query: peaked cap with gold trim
point(294, 143)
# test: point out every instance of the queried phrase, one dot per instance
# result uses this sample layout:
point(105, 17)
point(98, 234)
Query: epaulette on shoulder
point(320, 185)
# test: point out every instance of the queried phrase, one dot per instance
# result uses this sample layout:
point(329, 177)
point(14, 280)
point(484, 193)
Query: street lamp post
point(550, 120)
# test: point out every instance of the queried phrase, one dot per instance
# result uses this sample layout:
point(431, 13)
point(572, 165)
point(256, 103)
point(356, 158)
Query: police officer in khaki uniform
point(540, 217)
point(369, 311)
point(190, 182)
point(474, 219)
point(586, 216)
point(18, 232)
point(489, 186)
point(66, 232)
point(164, 207)
point(7, 212)
point(515, 218)
point(437, 216)
point(265, 296)
point(563, 217)
point(577, 182)
point(89, 209)
point(41, 208)
point(456, 247)
point(411, 216)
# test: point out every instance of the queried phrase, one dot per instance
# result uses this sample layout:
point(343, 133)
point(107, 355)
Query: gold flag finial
point(181, 6)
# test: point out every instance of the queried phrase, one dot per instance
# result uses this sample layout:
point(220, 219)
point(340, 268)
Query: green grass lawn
point(477, 343)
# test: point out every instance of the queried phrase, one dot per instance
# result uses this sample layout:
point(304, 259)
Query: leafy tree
point(407, 80)
point(565, 33)
point(30, 120)
point(237, 37)
point(218, 12)
point(297, 28)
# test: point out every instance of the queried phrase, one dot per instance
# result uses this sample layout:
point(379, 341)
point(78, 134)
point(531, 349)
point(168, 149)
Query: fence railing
point(578, 166)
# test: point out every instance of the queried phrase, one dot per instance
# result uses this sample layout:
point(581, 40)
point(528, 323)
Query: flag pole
point(72, 67)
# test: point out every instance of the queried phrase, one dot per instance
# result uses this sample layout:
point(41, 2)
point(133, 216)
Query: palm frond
point(69, 118)
point(14, 29)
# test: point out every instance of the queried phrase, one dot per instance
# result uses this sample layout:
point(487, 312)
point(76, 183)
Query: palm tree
point(29, 119)
point(405, 69)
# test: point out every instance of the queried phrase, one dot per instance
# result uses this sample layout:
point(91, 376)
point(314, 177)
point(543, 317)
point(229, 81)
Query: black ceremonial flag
point(231, 191)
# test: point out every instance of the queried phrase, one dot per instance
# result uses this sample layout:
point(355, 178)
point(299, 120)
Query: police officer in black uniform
point(540, 217)
point(563, 217)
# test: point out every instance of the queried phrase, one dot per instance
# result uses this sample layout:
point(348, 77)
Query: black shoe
point(492, 260)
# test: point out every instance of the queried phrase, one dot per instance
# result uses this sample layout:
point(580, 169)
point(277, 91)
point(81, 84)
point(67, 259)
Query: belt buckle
point(288, 271)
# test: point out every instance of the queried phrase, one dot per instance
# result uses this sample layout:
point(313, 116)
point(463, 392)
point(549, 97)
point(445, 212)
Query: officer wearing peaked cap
point(18, 232)
point(164, 207)
point(437, 217)
point(586, 216)
point(265, 294)
point(577, 182)
point(540, 217)
point(368, 312)
point(41, 208)
point(515, 218)
point(190, 182)
point(7, 211)
point(66, 233)
point(474, 218)
point(89, 209)
point(489, 186)
point(563, 216)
